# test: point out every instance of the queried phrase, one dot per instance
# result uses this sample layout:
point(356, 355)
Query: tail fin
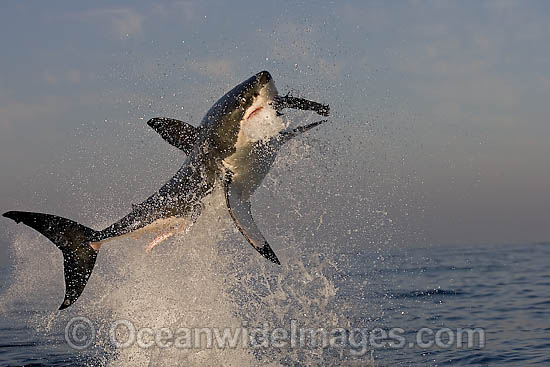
point(73, 240)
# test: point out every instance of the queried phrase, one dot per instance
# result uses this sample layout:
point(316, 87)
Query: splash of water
point(208, 277)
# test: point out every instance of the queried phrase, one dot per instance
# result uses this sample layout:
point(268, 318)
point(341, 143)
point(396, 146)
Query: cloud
point(213, 68)
point(292, 42)
point(331, 70)
point(188, 10)
point(366, 15)
point(71, 76)
point(122, 21)
point(13, 113)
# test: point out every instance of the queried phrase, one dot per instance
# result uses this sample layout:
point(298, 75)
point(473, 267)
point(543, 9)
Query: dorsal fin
point(178, 133)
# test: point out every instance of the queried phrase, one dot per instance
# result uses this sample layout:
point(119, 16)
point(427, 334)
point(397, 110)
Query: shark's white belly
point(259, 125)
point(172, 224)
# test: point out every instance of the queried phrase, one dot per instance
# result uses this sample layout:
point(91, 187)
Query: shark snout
point(263, 77)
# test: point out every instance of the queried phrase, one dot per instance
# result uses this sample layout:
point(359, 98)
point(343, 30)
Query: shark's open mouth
point(261, 123)
point(254, 112)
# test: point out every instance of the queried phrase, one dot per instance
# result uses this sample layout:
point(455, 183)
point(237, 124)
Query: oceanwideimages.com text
point(80, 333)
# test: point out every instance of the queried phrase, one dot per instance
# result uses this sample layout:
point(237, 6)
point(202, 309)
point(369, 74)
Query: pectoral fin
point(178, 133)
point(291, 133)
point(240, 212)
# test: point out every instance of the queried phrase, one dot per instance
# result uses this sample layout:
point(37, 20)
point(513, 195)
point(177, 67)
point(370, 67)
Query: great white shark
point(235, 145)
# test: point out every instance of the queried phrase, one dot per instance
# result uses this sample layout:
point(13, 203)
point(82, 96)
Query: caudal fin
point(73, 240)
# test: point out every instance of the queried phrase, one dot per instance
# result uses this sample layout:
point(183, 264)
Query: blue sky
point(440, 107)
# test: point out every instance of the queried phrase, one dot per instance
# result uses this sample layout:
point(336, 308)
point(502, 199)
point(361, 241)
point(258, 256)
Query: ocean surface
point(500, 291)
